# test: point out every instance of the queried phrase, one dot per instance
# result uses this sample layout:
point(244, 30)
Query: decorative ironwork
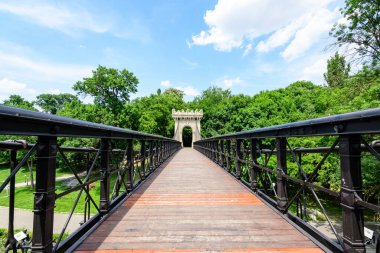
point(118, 164)
point(253, 151)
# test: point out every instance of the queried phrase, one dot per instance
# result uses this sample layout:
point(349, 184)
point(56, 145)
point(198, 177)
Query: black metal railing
point(261, 159)
point(118, 162)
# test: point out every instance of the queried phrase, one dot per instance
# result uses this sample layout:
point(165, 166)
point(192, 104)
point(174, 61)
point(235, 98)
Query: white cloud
point(55, 91)
point(314, 72)
point(165, 84)
point(229, 83)
point(10, 87)
point(55, 16)
point(281, 36)
point(235, 24)
point(29, 68)
point(189, 90)
point(247, 49)
point(319, 23)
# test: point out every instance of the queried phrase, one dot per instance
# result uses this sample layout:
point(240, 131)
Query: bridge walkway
point(192, 205)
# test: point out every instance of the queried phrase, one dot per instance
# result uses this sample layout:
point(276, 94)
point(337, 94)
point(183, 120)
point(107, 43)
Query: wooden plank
point(192, 205)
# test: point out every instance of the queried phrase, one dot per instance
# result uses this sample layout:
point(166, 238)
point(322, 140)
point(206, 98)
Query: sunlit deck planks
point(192, 205)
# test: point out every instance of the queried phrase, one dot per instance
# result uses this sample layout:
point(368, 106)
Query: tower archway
point(187, 136)
point(191, 119)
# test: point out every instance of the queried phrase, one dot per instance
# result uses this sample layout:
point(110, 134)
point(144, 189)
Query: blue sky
point(244, 45)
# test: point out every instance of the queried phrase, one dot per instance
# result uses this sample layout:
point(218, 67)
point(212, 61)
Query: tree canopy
point(337, 71)
point(361, 30)
point(20, 102)
point(109, 87)
point(51, 103)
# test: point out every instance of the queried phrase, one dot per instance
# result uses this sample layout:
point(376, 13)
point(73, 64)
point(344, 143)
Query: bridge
point(231, 193)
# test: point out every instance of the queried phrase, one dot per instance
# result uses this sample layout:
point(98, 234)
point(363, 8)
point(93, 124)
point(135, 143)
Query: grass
point(23, 174)
point(25, 197)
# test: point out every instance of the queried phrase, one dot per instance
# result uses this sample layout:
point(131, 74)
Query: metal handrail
point(16, 121)
point(130, 166)
point(348, 131)
point(361, 122)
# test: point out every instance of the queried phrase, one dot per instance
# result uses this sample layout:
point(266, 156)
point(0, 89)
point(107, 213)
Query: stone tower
point(190, 119)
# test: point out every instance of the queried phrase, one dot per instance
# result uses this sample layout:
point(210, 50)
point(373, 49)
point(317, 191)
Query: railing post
point(156, 162)
point(211, 152)
point(44, 197)
point(237, 158)
point(222, 154)
point(159, 152)
point(351, 185)
point(150, 156)
point(216, 149)
point(253, 170)
point(11, 242)
point(129, 154)
point(104, 171)
point(217, 160)
point(228, 155)
point(142, 159)
point(165, 150)
point(282, 195)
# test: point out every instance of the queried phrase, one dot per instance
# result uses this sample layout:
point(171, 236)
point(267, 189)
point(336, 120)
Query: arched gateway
point(185, 119)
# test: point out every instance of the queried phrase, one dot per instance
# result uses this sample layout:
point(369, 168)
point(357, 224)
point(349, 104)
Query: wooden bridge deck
point(191, 205)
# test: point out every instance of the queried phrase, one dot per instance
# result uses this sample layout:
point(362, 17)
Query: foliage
point(362, 29)
point(153, 114)
point(337, 71)
point(19, 102)
point(110, 87)
point(51, 103)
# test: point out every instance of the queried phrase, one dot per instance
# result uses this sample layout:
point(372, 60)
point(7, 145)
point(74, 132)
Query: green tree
point(362, 29)
point(51, 103)
point(19, 102)
point(337, 71)
point(109, 87)
point(214, 102)
point(175, 92)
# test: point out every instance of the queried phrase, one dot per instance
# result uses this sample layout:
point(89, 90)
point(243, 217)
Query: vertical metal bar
point(150, 156)
point(44, 197)
point(253, 170)
point(104, 171)
point(222, 154)
point(217, 160)
point(88, 165)
point(142, 159)
point(156, 162)
point(303, 197)
point(282, 195)
point(11, 240)
point(351, 185)
point(237, 158)
point(210, 150)
point(228, 155)
point(129, 154)
point(212, 145)
point(166, 150)
point(216, 149)
point(159, 152)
